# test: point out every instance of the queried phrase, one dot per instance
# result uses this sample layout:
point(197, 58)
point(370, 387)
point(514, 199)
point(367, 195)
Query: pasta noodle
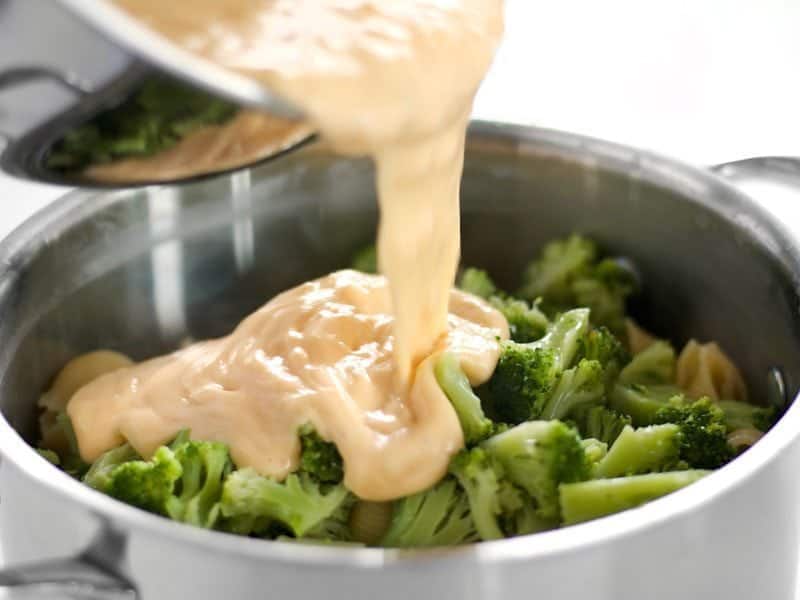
point(744, 438)
point(638, 339)
point(75, 374)
point(369, 521)
point(705, 370)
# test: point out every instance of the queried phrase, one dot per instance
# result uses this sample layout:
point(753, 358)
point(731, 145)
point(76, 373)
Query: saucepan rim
point(760, 226)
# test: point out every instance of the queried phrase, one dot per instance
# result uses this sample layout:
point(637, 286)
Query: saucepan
point(72, 61)
point(140, 270)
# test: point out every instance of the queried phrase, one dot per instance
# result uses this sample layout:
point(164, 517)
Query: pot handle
point(77, 577)
point(777, 170)
point(83, 577)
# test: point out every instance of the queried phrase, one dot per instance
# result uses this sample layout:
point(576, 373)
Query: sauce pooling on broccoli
point(321, 353)
point(394, 81)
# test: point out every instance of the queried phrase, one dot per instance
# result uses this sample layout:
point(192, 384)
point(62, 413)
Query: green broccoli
point(182, 481)
point(568, 274)
point(599, 422)
point(366, 260)
point(319, 458)
point(477, 282)
point(643, 450)
point(100, 473)
point(69, 458)
point(605, 290)
point(580, 386)
point(640, 402)
point(603, 346)
point(467, 405)
point(551, 275)
point(498, 508)
point(587, 500)
point(154, 119)
point(299, 502)
point(743, 415)
point(526, 323)
point(537, 456)
point(704, 443)
point(526, 374)
point(146, 484)
point(653, 366)
point(195, 499)
point(594, 450)
point(439, 516)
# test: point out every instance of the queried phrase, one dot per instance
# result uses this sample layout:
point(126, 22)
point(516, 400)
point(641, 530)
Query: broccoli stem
point(642, 403)
point(641, 450)
point(587, 500)
point(467, 405)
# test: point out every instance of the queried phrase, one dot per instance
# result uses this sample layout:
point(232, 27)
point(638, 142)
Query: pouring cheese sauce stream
point(353, 354)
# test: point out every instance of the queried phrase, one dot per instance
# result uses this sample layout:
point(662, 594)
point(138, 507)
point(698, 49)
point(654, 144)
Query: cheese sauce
point(394, 80)
point(247, 138)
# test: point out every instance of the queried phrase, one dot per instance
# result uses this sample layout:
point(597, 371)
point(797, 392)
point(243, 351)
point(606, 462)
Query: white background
point(702, 80)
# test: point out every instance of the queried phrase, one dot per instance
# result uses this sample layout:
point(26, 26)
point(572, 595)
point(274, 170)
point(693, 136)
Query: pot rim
point(762, 227)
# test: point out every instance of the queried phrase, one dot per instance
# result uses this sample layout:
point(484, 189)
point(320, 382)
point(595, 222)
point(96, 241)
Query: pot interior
point(140, 271)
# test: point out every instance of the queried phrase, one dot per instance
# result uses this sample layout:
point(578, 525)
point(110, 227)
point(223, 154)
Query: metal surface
point(112, 58)
point(139, 270)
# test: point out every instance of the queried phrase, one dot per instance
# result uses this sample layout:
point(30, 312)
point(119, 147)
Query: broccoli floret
point(366, 260)
point(99, 474)
point(521, 383)
point(605, 290)
point(577, 387)
point(481, 480)
point(49, 456)
point(643, 450)
point(742, 415)
point(467, 405)
point(587, 500)
point(526, 323)
point(147, 484)
point(568, 274)
point(319, 458)
point(594, 450)
point(182, 481)
point(439, 516)
point(477, 282)
point(654, 365)
point(704, 443)
point(550, 276)
point(537, 456)
point(526, 374)
point(69, 456)
point(564, 336)
point(603, 346)
point(299, 502)
point(195, 499)
point(640, 402)
point(498, 508)
point(599, 422)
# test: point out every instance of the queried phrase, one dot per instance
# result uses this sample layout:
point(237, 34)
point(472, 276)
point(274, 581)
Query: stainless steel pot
point(63, 62)
point(139, 270)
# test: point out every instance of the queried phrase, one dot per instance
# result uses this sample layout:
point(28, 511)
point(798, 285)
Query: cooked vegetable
point(568, 428)
point(569, 274)
point(527, 374)
point(538, 456)
point(467, 405)
point(439, 516)
point(154, 119)
point(587, 500)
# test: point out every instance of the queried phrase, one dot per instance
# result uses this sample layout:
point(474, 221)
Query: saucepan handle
point(77, 577)
point(781, 171)
point(83, 577)
point(24, 74)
